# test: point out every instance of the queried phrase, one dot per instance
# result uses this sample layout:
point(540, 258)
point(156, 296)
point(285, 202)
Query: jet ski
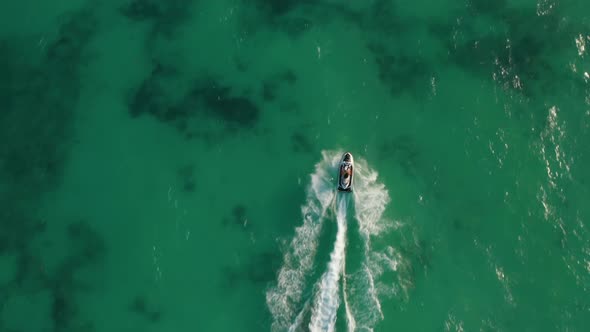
point(346, 173)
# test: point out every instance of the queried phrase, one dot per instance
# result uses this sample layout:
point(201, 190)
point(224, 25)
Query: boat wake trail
point(371, 198)
point(324, 313)
point(284, 301)
point(301, 299)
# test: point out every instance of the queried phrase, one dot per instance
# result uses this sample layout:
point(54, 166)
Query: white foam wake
point(371, 199)
point(289, 306)
point(350, 320)
point(285, 299)
point(326, 306)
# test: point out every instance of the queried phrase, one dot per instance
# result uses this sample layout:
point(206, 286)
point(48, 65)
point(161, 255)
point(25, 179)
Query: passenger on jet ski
point(346, 172)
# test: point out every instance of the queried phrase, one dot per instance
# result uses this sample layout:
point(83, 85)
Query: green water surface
point(155, 155)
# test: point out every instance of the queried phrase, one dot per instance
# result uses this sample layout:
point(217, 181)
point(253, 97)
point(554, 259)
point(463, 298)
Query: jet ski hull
point(346, 173)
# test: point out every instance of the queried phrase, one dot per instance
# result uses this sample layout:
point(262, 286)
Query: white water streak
point(327, 303)
point(350, 320)
point(363, 309)
point(371, 199)
point(284, 300)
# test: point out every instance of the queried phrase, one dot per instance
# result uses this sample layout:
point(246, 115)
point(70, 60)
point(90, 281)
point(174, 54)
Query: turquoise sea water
point(170, 165)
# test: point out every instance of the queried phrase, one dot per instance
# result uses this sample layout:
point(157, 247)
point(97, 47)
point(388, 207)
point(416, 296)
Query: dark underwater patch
point(290, 107)
point(62, 310)
point(165, 16)
point(151, 97)
point(514, 46)
point(17, 228)
point(239, 214)
point(186, 178)
point(36, 125)
point(241, 64)
point(295, 26)
point(141, 307)
point(295, 18)
point(269, 91)
point(239, 217)
point(73, 37)
point(458, 224)
point(87, 244)
point(87, 248)
point(140, 10)
point(276, 8)
point(30, 274)
point(199, 110)
point(404, 150)
point(517, 54)
point(271, 87)
point(301, 143)
point(40, 102)
point(401, 73)
point(479, 7)
point(236, 111)
point(383, 17)
point(287, 76)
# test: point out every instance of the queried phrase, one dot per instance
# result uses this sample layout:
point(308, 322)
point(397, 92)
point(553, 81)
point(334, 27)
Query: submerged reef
point(219, 102)
point(295, 18)
point(186, 178)
point(404, 151)
point(141, 307)
point(401, 73)
point(37, 122)
point(239, 217)
point(87, 249)
point(165, 16)
point(209, 109)
point(276, 8)
point(40, 95)
point(519, 54)
point(272, 86)
point(301, 143)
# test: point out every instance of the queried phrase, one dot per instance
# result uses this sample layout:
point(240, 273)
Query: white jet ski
point(346, 172)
